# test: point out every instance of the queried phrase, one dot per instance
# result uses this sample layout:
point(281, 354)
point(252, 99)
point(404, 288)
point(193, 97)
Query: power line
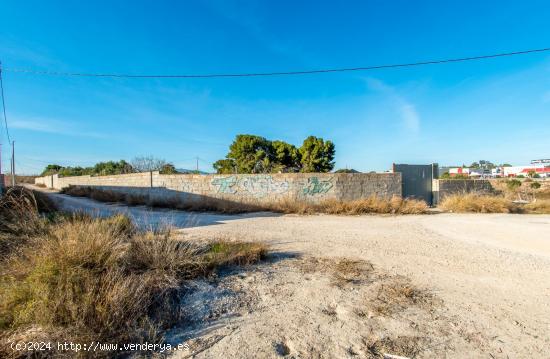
point(4, 105)
point(282, 73)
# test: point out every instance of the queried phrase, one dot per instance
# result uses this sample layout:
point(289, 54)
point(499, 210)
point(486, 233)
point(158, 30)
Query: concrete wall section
point(442, 188)
point(274, 187)
point(257, 188)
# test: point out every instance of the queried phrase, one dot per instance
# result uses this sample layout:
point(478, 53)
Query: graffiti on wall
point(257, 186)
point(226, 184)
point(315, 186)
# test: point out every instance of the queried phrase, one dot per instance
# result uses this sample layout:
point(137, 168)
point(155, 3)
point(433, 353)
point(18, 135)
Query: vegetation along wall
point(445, 187)
point(258, 188)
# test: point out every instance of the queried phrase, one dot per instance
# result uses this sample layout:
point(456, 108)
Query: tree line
point(247, 154)
point(138, 164)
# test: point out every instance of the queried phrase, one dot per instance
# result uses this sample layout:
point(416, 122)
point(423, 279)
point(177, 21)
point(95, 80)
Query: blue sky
point(451, 114)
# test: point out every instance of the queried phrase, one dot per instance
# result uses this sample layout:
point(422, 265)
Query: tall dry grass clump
point(538, 206)
point(373, 204)
point(471, 202)
point(370, 205)
point(82, 279)
point(20, 217)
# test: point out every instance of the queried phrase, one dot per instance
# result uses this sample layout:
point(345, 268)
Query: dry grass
point(373, 204)
point(348, 271)
point(471, 202)
point(19, 179)
point(405, 346)
point(20, 218)
point(538, 206)
point(81, 279)
point(399, 294)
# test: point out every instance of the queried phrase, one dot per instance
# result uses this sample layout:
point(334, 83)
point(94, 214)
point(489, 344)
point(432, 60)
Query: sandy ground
point(430, 286)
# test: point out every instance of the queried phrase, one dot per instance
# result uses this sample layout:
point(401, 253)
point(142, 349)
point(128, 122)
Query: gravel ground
point(480, 286)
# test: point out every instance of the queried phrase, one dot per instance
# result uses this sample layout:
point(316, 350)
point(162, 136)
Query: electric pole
point(197, 167)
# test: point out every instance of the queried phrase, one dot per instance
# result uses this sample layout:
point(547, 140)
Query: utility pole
point(13, 163)
point(197, 168)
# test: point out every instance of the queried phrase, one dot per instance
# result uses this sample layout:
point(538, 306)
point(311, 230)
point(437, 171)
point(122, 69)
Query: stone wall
point(257, 188)
point(445, 187)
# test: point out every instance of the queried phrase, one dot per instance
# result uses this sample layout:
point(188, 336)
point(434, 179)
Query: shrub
point(513, 184)
point(535, 185)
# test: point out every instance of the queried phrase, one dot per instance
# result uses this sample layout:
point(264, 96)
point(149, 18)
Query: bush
point(513, 184)
point(535, 185)
point(82, 279)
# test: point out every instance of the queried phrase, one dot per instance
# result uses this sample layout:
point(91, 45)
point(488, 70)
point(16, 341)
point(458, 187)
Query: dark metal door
point(417, 180)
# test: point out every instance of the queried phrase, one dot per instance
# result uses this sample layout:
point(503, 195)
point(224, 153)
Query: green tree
point(112, 168)
point(255, 154)
point(225, 166)
point(317, 155)
point(287, 157)
point(346, 170)
point(168, 169)
point(483, 164)
point(251, 154)
point(51, 169)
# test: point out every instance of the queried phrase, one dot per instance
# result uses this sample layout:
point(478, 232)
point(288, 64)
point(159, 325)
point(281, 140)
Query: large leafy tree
point(287, 157)
point(317, 155)
point(247, 154)
point(51, 169)
point(225, 166)
point(255, 154)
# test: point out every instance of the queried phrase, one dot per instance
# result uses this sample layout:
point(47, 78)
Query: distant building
point(543, 170)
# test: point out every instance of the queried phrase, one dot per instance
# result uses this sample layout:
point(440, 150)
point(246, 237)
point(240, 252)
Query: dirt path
point(432, 286)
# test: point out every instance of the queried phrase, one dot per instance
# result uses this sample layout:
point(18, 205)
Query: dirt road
point(479, 287)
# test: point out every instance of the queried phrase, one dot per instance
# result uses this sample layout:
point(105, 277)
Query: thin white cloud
point(410, 119)
point(53, 126)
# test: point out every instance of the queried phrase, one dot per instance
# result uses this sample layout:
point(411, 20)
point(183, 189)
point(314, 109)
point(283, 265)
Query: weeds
point(20, 218)
point(471, 202)
point(463, 203)
point(408, 346)
point(81, 278)
point(348, 271)
point(538, 206)
point(398, 294)
point(373, 204)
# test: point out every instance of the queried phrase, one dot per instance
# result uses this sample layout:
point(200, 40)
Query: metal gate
point(417, 180)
